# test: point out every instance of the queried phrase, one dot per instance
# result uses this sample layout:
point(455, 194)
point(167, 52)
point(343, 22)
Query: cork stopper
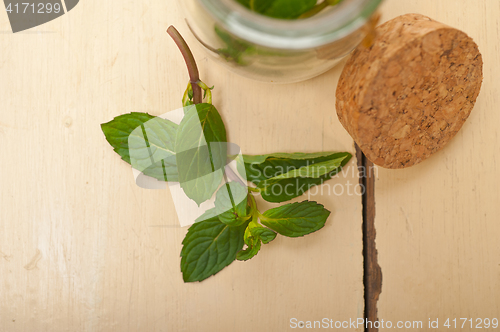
point(407, 95)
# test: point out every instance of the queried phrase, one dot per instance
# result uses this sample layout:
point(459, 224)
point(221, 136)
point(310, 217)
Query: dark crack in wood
point(372, 278)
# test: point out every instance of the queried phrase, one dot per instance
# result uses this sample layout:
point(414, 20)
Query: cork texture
point(407, 95)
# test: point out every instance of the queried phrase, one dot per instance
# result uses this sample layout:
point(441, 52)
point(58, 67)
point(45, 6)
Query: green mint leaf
point(260, 6)
point(318, 8)
point(151, 147)
point(265, 234)
point(248, 237)
point(289, 9)
point(209, 214)
point(272, 157)
point(231, 204)
point(288, 189)
point(235, 49)
point(264, 167)
point(296, 219)
point(312, 171)
point(245, 3)
point(118, 130)
point(253, 243)
point(146, 142)
point(201, 151)
point(249, 252)
point(209, 246)
point(254, 236)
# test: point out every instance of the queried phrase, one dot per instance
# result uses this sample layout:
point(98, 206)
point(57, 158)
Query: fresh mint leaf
point(235, 49)
point(254, 236)
point(265, 234)
point(201, 151)
point(260, 6)
point(209, 246)
point(318, 8)
point(264, 167)
point(271, 157)
point(311, 171)
point(289, 9)
point(209, 214)
point(118, 130)
point(296, 219)
point(151, 147)
point(248, 237)
point(253, 243)
point(146, 142)
point(245, 3)
point(231, 204)
point(249, 252)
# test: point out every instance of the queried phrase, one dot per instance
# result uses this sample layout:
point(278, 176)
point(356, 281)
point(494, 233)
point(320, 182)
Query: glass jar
point(274, 50)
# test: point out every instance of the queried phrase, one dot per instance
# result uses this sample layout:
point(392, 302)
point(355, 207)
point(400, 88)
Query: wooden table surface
point(80, 246)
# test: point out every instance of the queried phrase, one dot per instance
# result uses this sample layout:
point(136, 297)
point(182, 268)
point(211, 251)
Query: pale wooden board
point(437, 222)
point(71, 207)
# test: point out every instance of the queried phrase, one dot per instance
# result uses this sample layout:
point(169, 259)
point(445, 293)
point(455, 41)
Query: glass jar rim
point(319, 30)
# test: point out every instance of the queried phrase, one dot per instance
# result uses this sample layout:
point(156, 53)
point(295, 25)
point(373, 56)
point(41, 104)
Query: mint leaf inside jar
point(288, 9)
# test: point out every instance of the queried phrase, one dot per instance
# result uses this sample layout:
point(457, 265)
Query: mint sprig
point(195, 153)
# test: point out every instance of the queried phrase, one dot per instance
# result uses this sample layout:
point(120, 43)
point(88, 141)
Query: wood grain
point(437, 222)
point(84, 249)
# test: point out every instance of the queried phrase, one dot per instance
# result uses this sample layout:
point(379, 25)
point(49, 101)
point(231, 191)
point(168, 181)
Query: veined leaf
point(311, 171)
point(253, 244)
point(254, 236)
point(200, 151)
point(296, 219)
point(118, 130)
point(231, 204)
point(146, 142)
point(258, 159)
point(265, 234)
point(209, 214)
point(209, 246)
point(249, 252)
point(264, 167)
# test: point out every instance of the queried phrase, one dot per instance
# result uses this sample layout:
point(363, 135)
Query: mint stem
point(232, 176)
point(194, 75)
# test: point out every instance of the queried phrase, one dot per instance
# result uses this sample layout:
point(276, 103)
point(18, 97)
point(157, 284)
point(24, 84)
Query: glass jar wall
point(275, 50)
